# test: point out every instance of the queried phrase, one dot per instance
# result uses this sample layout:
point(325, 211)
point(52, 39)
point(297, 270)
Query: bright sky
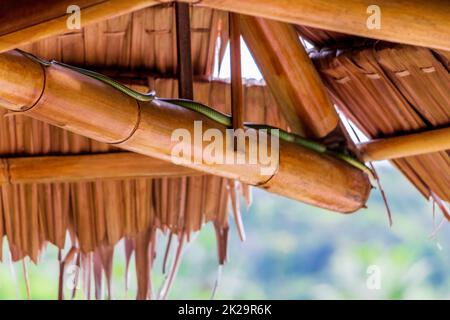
point(249, 68)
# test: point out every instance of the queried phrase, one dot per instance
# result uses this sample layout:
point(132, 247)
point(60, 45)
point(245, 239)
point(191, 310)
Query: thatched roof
point(390, 90)
point(99, 214)
point(385, 89)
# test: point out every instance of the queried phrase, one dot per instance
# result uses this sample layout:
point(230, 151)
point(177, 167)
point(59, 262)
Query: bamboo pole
point(75, 168)
point(406, 146)
point(406, 21)
point(93, 109)
point(416, 22)
point(50, 18)
point(237, 105)
point(291, 76)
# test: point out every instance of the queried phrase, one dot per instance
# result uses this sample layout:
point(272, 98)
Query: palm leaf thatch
point(390, 90)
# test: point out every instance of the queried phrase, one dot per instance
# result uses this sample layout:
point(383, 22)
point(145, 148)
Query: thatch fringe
point(400, 90)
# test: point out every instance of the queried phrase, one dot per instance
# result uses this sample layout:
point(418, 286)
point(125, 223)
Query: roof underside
point(384, 89)
point(103, 212)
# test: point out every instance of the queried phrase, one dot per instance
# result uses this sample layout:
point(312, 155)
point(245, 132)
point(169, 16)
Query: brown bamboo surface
point(321, 38)
point(30, 21)
point(79, 104)
point(415, 22)
point(87, 167)
point(59, 203)
point(406, 145)
point(144, 39)
point(404, 21)
point(97, 214)
point(237, 112)
point(23, 13)
point(289, 73)
point(388, 90)
point(102, 212)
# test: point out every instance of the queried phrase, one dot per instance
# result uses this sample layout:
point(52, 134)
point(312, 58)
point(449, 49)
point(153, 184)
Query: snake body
point(227, 122)
point(206, 111)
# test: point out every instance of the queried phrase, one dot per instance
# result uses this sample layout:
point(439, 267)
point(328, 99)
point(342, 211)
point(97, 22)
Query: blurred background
point(293, 251)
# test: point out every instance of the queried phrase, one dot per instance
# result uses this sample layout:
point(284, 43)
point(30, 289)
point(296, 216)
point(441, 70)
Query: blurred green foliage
point(294, 251)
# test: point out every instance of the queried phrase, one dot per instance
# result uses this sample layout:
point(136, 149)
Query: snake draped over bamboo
point(208, 112)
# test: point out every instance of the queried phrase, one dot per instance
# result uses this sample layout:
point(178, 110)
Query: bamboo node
point(136, 126)
point(24, 109)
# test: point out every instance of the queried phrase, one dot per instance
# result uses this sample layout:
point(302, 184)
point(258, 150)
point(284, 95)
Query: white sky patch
point(358, 136)
point(248, 66)
point(308, 45)
point(250, 70)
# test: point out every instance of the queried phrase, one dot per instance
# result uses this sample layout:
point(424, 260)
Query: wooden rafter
point(79, 104)
point(291, 76)
point(406, 146)
point(74, 168)
point(237, 105)
point(237, 109)
point(184, 59)
point(416, 22)
point(30, 21)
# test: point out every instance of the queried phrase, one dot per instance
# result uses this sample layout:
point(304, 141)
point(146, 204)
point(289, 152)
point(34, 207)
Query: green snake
point(206, 111)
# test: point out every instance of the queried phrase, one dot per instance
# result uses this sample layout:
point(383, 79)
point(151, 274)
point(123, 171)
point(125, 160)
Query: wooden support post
point(91, 108)
point(75, 168)
point(237, 110)
point(416, 22)
point(291, 76)
point(27, 21)
point(406, 146)
point(184, 60)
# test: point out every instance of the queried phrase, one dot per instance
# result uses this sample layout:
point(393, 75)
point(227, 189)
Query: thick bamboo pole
point(93, 109)
point(184, 54)
point(28, 21)
point(416, 22)
point(75, 168)
point(290, 74)
point(406, 146)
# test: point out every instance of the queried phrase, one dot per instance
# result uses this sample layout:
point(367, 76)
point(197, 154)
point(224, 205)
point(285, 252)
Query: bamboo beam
point(93, 109)
point(75, 168)
point(291, 76)
point(406, 146)
point(29, 21)
point(416, 22)
point(20, 14)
